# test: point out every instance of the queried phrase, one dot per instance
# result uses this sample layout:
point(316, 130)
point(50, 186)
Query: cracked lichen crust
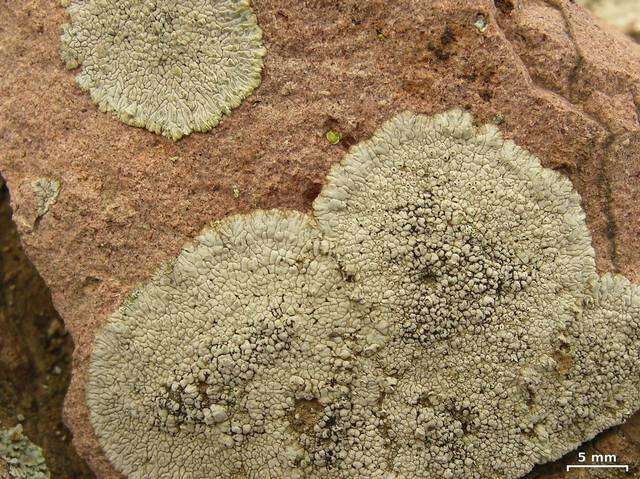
point(432, 208)
point(599, 362)
point(213, 368)
point(438, 315)
point(46, 191)
point(19, 457)
point(477, 264)
point(171, 66)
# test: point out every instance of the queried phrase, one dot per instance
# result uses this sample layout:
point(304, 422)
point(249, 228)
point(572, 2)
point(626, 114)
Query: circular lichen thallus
point(438, 315)
point(170, 66)
point(218, 365)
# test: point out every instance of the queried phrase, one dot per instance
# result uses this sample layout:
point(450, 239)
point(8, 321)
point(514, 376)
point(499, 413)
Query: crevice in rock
point(603, 179)
point(611, 137)
point(35, 355)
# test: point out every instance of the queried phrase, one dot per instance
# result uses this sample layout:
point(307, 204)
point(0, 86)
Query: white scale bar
point(600, 466)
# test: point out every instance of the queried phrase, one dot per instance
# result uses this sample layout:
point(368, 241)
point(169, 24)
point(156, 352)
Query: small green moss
point(333, 137)
point(236, 192)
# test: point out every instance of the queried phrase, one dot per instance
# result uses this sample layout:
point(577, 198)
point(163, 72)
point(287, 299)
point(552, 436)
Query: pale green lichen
point(623, 14)
point(45, 191)
point(438, 315)
point(235, 325)
point(481, 23)
point(171, 66)
point(20, 458)
point(480, 262)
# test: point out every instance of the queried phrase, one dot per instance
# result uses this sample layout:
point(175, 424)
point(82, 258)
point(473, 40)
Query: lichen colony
point(437, 315)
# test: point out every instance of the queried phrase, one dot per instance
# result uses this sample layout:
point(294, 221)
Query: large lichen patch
point(245, 321)
point(171, 66)
point(439, 315)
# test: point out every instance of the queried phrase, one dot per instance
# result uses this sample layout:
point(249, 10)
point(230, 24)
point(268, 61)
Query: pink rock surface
point(558, 82)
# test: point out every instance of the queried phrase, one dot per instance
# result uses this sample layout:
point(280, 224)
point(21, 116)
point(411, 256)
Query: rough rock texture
point(35, 356)
point(559, 84)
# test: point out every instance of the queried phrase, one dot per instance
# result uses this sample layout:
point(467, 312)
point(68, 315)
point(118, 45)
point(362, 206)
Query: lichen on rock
point(198, 373)
point(438, 315)
point(623, 14)
point(45, 191)
point(19, 457)
point(34, 198)
point(171, 66)
point(480, 262)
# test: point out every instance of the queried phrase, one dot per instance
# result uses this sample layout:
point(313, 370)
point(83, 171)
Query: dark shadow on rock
point(35, 355)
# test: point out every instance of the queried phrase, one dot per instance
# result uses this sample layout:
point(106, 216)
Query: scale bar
point(599, 466)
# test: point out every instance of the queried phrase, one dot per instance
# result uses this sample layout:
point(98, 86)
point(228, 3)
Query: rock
point(33, 342)
point(556, 82)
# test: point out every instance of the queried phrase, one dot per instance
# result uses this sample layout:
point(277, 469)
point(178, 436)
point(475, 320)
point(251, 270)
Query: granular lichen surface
point(438, 315)
point(171, 66)
point(211, 357)
point(19, 457)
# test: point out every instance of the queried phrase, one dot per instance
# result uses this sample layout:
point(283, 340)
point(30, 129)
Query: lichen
point(45, 191)
point(438, 315)
point(205, 363)
point(33, 200)
point(20, 458)
point(480, 23)
point(481, 262)
point(623, 14)
point(171, 66)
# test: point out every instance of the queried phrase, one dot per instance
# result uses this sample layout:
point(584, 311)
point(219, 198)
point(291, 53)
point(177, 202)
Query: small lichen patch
point(19, 457)
point(438, 315)
point(480, 23)
point(34, 199)
point(46, 192)
point(170, 66)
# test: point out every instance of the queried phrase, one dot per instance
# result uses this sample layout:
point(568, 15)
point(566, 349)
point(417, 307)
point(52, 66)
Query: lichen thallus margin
point(172, 67)
point(437, 314)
